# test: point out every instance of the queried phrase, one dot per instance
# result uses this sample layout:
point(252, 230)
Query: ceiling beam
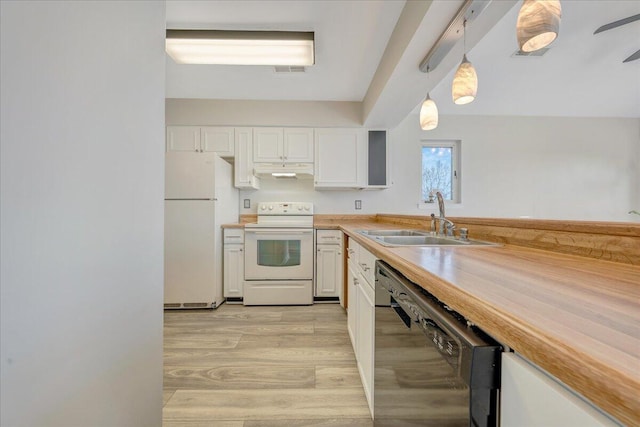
point(399, 85)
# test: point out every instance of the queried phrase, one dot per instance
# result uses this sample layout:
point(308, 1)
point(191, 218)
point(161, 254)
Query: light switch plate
point(358, 204)
point(247, 203)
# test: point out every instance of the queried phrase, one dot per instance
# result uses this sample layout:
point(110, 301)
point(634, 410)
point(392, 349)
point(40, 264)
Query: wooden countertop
point(577, 318)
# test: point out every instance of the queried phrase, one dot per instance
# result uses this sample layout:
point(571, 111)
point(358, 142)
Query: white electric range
point(278, 263)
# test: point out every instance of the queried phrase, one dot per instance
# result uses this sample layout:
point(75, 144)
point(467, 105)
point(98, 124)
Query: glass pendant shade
point(465, 83)
point(538, 24)
point(428, 114)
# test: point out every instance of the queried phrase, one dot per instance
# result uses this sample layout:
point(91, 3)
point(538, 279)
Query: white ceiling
point(581, 75)
point(350, 37)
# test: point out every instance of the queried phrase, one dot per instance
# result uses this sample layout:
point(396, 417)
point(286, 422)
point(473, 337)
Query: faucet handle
point(450, 227)
point(464, 234)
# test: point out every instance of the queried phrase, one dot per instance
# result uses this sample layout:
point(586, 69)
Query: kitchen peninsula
point(577, 318)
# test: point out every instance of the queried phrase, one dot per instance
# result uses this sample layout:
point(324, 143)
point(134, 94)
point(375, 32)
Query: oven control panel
point(285, 208)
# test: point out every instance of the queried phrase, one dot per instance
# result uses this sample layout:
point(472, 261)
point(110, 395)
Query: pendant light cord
point(464, 36)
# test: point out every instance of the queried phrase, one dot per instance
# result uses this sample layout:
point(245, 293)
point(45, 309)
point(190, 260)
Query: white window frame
point(456, 149)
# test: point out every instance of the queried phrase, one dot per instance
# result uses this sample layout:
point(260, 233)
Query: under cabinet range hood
point(284, 170)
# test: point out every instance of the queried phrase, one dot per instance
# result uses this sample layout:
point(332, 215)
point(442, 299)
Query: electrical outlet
point(358, 204)
point(247, 203)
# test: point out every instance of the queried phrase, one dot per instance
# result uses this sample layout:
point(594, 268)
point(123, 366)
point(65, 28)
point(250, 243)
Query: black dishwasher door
point(426, 374)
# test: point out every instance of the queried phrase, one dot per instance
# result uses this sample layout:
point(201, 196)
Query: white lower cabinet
point(361, 315)
point(365, 337)
point(352, 310)
point(329, 265)
point(532, 398)
point(233, 263)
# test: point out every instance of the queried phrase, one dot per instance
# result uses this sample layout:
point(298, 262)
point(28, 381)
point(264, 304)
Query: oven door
point(278, 253)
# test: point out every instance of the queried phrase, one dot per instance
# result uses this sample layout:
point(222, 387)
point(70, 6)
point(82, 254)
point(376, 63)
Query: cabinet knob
point(240, 249)
point(339, 253)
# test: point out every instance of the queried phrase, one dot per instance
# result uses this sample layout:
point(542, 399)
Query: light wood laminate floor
point(261, 367)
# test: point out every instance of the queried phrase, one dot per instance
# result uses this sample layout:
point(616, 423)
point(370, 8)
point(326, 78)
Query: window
point(440, 160)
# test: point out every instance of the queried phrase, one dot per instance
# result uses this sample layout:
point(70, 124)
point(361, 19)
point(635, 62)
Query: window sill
point(422, 206)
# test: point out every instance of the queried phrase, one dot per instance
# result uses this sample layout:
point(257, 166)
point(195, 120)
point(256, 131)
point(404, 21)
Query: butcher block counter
point(577, 318)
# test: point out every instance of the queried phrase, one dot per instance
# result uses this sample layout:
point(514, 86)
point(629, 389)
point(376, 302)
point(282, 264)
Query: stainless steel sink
point(394, 233)
point(418, 238)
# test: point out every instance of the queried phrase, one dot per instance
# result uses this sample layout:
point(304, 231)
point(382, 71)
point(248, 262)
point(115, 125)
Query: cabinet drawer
point(233, 235)
point(329, 237)
point(367, 262)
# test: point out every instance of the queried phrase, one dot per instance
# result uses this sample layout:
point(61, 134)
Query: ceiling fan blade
point(633, 57)
point(617, 23)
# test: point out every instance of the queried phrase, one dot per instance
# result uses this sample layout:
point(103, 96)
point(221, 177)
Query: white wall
point(540, 167)
point(82, 140)
point(216, 112)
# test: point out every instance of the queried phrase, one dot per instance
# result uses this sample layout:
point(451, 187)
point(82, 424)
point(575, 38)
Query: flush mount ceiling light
point(428, 114)
point(465, 81)
point(538, 24)
point(241, 47)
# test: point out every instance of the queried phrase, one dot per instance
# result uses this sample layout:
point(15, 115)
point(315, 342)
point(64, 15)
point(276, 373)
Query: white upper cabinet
point(340, 158)
point(217, 139)
point(298, 145)
point(183, 138)
point(283, 145)
point(243, 161)
point(268, 145)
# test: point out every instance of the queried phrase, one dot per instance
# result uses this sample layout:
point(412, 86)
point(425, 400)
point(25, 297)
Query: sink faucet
point(450, 226)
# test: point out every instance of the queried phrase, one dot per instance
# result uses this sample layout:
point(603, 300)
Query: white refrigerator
point(199, 197)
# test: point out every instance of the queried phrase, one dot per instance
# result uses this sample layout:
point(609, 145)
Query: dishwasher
point(432, 366)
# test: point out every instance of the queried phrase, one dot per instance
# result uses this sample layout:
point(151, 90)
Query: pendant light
point(538, 24)
point(428, 114)
point(465, 81)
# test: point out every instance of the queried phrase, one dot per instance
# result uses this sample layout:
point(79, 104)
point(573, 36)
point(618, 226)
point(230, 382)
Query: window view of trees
point(437, 172)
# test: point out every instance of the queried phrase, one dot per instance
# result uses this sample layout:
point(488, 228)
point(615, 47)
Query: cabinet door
point(219, 140)
point(233, 270)
point(365, 337)
point(243, 161)
point(268, 145)
point(183, 138)
point(340, 158)
point(378, 159)
point(298, 145)
point(531, 398)
point(328, 270)
point(352, 310)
